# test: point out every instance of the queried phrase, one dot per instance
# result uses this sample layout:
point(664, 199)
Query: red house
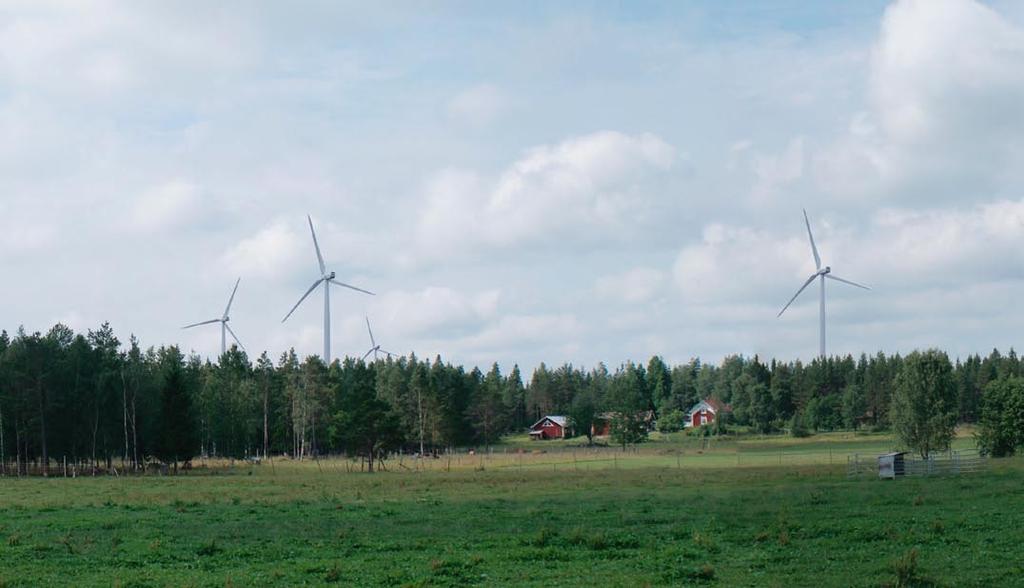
point(705, 412)
point(550, 427)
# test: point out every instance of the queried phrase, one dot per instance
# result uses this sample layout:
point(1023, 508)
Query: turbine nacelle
point(326, 278)
point(823, 272)
point(223, 320)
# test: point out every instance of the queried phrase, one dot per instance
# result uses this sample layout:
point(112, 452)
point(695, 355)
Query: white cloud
point(946, 98)
point(271, 252)
point(774, 172)
point(899, 131)
point(733, 264)
point(166, 206)
point(585, 185)
point(898, 253)
point(525, 330)
point(637, 285)
point(431, 312)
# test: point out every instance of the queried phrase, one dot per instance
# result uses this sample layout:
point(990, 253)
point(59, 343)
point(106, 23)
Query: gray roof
point(561, 421)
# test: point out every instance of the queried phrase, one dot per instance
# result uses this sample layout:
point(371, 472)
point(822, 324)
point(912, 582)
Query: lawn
point(644, 518)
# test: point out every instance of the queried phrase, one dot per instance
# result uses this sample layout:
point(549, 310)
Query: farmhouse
point(550, 427)
point(705, 411)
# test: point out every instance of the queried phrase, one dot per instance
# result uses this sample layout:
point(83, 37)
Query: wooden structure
point(550, 427)
point(705, 412)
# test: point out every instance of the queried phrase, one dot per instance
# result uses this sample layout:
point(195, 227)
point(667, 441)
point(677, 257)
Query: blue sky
point(571, 181)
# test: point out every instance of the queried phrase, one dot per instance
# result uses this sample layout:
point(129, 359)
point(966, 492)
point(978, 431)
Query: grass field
point(666, 515)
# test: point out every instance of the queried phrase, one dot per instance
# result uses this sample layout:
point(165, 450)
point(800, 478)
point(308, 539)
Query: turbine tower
point(376, 348)
point(821, 274)
point(326, 278)
point(223, 320)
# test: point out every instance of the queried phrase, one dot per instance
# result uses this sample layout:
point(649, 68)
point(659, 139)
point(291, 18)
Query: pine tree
point(178, 439)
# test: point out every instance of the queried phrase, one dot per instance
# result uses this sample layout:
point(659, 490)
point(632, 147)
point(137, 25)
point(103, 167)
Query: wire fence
point(700, 453)
point(949, 463)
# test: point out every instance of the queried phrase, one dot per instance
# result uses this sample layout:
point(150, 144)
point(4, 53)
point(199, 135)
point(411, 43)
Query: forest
point(86, 399)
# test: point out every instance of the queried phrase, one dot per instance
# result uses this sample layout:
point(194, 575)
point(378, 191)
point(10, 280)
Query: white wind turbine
point(223, 320)
point(821, 274)
point(376, 348)
point(326, 278)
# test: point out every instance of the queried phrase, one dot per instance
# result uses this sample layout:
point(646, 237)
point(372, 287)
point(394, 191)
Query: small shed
point(550, 427)
point(891, 465)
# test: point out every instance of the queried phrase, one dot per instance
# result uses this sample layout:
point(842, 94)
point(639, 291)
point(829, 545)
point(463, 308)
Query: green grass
point(651, 521)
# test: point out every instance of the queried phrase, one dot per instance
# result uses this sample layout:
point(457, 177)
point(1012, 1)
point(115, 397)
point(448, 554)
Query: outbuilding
point(550, 427)
point(891, 465)
point(705, 412)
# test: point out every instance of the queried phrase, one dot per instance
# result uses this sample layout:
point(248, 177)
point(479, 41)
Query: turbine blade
point(209, 322)
point(232, 299)
point(367, 354)
point(388, 353)
point(235, 337)
point(311, 288)
point(372, 341)
point(319, 257)
point(838, 279)
point(337, 283)
point(802, 288)
point(814, 248)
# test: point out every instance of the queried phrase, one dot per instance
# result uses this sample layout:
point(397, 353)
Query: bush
point(701, 431)
point(671, 421)
point(797, 426)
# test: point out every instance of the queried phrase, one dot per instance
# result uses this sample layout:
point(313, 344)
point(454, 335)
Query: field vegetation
point(672, 512)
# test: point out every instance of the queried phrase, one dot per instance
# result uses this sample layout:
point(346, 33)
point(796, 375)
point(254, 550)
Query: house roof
point(714, 404)
point(559, 420)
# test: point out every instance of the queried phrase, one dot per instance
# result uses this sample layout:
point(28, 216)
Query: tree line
point(88, 399)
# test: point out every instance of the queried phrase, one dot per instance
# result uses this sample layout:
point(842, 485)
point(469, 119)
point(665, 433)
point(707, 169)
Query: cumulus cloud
point(946, 107)
point(899, 252)
point(432, 312)
point(272, 251)
point(589, 184)
point(897, 129)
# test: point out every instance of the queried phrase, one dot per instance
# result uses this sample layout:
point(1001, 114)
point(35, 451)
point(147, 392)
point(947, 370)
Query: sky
point(536, 181)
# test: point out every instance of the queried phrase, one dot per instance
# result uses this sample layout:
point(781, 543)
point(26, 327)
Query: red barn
point(705, 412)
point(550, 427)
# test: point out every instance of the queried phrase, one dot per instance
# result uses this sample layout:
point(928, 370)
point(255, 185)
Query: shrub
point(671, 421)
point(797, 426)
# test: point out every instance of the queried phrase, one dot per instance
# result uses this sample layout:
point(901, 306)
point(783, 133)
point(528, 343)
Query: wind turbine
point(373, 342)
point(326, 278)
point(223, 320)
point(821, 274)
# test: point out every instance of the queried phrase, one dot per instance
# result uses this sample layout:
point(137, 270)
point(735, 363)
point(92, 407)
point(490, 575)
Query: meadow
point(678, 511)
